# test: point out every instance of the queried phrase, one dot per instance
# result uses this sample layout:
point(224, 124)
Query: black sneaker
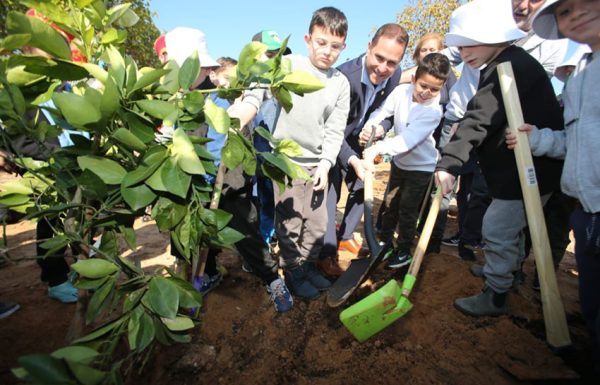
point(399, 259)
point(7, 308)
point(465, 253)
point(452, 241)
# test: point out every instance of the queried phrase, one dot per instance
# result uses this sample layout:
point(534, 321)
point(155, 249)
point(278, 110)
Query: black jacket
point(484, 124)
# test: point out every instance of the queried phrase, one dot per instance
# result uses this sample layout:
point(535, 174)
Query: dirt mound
point(243, 340)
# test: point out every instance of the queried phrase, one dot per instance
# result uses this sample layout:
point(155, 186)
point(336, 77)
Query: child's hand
point(359, 167)
point(511, 139)
point(445, 181)
point(320, 178)
point(365, 133)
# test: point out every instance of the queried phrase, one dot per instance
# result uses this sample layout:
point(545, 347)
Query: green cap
point(269, 38)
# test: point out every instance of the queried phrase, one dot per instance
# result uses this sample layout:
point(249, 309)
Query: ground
point(243, 340)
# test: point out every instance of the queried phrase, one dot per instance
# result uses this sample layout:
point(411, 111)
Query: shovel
point(380, 309)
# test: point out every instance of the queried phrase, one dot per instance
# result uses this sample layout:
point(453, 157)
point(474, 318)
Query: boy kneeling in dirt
point(417, 112)
point(484, 31)
point(578, 144)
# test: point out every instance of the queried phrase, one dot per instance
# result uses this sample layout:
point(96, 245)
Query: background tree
point(140, 38)
point(422, 16)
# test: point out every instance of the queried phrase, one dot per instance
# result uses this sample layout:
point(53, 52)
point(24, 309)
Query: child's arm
point(543, 142)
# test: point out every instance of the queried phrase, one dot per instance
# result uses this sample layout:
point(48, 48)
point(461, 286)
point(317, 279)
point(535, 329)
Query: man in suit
point(372, 77)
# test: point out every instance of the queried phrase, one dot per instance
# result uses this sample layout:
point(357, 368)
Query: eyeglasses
point(322, 44)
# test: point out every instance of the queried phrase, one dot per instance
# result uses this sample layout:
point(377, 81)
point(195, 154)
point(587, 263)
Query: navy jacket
point(353, 69)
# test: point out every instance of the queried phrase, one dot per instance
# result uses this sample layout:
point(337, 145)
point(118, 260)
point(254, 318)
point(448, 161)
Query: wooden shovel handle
point(425, 234)
point(557, 331)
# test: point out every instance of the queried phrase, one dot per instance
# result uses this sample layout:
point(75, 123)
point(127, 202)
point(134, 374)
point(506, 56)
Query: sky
point(229, 25)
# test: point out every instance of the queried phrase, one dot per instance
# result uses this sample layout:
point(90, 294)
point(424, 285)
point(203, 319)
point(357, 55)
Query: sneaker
point(7, 308)
point(466, 253)
point(65, 292)
point(297, 280)
point(452, 241)
point(280, 295)
point(206, 283)
point(315, 277)
point(399, 259)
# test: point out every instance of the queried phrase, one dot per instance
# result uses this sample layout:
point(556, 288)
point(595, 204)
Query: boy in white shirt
point(416, 111)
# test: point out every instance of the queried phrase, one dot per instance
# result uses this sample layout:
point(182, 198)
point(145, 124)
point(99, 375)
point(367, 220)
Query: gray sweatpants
point(502, 231)
point(300, 221)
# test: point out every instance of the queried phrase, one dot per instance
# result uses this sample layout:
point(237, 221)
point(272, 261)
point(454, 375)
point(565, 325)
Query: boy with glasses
point(316, 122)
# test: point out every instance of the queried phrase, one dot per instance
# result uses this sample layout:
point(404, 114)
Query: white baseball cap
point(181, 42)
point(483, 22)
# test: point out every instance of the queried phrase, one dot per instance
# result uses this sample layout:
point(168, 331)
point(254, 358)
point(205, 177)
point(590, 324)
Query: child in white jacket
point(416, 112)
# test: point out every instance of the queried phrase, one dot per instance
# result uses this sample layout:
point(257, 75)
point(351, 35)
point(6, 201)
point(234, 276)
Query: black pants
point(405, 191)
point(54, 267)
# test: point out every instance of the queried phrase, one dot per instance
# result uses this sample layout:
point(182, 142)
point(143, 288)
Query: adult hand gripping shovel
point(380, 309)
point(361, 268)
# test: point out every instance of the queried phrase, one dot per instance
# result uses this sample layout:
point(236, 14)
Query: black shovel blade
point(358, 271)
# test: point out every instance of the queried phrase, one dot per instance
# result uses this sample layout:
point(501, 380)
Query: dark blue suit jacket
point(353, 70)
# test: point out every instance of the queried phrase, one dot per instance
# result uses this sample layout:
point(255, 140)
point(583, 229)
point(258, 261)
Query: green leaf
point(99, 300)
point(85, 374)
point(94, 268)
point(145, 170)
point(113, 36)
point(129, 235)
point(138, 197)
point(162, 297)
point(43, 98)
point(169, 177)
point(131, 73)
point(19, 77)
point(117, 66)
point(147, 79)
point(87, 284)
point(289, 147)
point(188, 296)
point(91, 185)
point(284, 97)
point(216, 117)
point(43, 36)
point(74, 353)
point(45, 369)
point(229, 236)
point(96, 71)
point(127, 138)
point(99, 332)
point(12, 42)
point(157, 108)
point(167, 213)
point(128, 19)
point(78, 111)
point(117, 12)
point(233, 152)
point(18, 186)
point(146, 333)
point(282, 162)
point(142, 129)
point(58, 241)
point(110, 99)
point(249, 165)
point(178, 324)
point(300, 82)
point(108, 170)
point(250, 55)
point(185, 153)
point(189, 71)
point(193, 102)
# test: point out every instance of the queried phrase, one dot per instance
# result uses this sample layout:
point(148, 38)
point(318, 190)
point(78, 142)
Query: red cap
point(160, 45)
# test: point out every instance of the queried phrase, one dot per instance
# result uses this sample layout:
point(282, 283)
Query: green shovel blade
point(376, 312)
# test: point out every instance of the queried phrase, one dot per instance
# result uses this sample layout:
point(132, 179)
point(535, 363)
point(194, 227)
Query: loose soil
point(243, 340)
